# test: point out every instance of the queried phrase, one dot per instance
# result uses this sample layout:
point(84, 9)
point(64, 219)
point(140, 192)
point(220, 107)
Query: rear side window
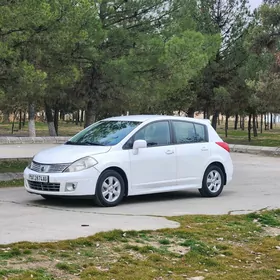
point(201, 134)
point(187, 132)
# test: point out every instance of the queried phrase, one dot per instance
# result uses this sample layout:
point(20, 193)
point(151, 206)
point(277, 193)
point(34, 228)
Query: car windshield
point(104, 133)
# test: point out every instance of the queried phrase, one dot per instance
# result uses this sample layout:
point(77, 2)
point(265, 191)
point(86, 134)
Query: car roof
point(148, 118)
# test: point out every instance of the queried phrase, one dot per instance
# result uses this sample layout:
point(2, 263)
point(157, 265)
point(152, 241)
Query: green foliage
point(13, 165)
point(109, 53)
point(141, 56)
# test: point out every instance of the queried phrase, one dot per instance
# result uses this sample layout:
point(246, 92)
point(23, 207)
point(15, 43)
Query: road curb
point(255, 150)
point(34, 140)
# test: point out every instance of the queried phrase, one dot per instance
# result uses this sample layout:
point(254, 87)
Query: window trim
point(126, 147)
point(175, 142)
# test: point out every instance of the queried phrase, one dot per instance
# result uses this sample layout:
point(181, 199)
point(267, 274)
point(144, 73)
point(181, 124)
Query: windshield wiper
point(91, 143)
point(70, 143)
point(86, 143)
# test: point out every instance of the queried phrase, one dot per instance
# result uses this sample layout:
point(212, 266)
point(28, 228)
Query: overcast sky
point(255, 3)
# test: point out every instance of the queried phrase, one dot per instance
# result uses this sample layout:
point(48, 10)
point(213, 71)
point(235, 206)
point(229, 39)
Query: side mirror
point(139, 144)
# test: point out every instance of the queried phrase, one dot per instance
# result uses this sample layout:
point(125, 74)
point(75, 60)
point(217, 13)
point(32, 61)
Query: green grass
point(267, 138)
point(67, 267)
point(164, 241)
point(64, 129)
point(12, 183)
point(39, 274)
point(267, 219)
point(214, 247)
point(13, 165)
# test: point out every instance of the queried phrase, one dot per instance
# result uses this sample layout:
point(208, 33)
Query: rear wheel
point(213, 182)
point(110, 189)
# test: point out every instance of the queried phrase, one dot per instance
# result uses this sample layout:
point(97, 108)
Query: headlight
point(81, 164)
point(30, 162)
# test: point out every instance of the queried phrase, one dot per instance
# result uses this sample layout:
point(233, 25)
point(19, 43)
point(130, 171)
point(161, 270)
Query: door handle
point(204, 149)
point(169, 152)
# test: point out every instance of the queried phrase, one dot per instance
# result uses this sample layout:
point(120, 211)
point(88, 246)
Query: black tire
point(50, 197)
point(99, 197)
point(208, 189)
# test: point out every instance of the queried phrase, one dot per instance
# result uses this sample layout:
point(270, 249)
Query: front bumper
point(85, 183)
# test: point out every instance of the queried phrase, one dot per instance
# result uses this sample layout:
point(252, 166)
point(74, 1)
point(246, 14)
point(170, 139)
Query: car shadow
point(131, 200)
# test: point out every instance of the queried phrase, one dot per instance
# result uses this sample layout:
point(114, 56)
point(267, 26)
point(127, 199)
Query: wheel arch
point(122, 173)
point(220, 165)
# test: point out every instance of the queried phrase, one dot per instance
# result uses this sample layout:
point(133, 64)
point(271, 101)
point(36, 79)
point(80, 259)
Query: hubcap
point(214, 181)
point(111, 189)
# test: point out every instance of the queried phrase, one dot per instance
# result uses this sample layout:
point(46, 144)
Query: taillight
point(224, 145)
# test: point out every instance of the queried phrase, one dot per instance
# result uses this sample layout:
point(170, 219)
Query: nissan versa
point(133, 155)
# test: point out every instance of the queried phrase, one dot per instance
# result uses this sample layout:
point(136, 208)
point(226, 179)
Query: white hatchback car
point(133, 155)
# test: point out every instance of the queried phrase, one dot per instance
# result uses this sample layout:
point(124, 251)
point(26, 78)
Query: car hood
point(68, 153)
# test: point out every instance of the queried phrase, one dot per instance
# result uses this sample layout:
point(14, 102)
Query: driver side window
point(156, 134)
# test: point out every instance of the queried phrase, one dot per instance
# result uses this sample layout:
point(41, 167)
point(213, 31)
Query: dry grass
point(210, 247)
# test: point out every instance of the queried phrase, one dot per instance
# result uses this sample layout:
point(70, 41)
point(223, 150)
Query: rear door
point(192, 151)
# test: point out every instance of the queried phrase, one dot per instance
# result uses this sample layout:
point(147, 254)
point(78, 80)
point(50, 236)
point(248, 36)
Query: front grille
point(48, 168)
point(47, 187)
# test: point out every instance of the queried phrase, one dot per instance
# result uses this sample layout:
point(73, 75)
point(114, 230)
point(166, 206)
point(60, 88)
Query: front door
point(153, 169)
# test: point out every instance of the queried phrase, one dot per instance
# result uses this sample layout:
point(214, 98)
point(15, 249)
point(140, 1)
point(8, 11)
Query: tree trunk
point(13, 123)
point(218, 120)
point(236, 122)
point(89, 114)
point(261, 123)
point(265, 121)
point(191, 113)
point(50, 120)
point(243, 123)
point(271, 121)
point(77, 117)
point(24, 118)
point(226, 125)
point(55, 120)
point(20, 120)
point(249, 127)
point(206, 113)
point(62, 116)
point(6, 116)
point(255, 126)
point(215, 119)
point(73, 116)
point(82, 117)
point(31, 120)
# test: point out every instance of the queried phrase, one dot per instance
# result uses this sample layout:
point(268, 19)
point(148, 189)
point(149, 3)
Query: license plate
point(39, 178)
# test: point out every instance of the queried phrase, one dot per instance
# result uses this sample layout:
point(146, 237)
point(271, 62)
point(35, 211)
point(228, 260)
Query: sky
point(255, 3)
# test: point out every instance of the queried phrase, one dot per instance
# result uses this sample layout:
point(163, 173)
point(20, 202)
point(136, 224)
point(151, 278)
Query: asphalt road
point(26, 217)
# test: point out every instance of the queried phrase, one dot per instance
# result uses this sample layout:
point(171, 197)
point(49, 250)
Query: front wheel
point(110, 189)
point(213, 182)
